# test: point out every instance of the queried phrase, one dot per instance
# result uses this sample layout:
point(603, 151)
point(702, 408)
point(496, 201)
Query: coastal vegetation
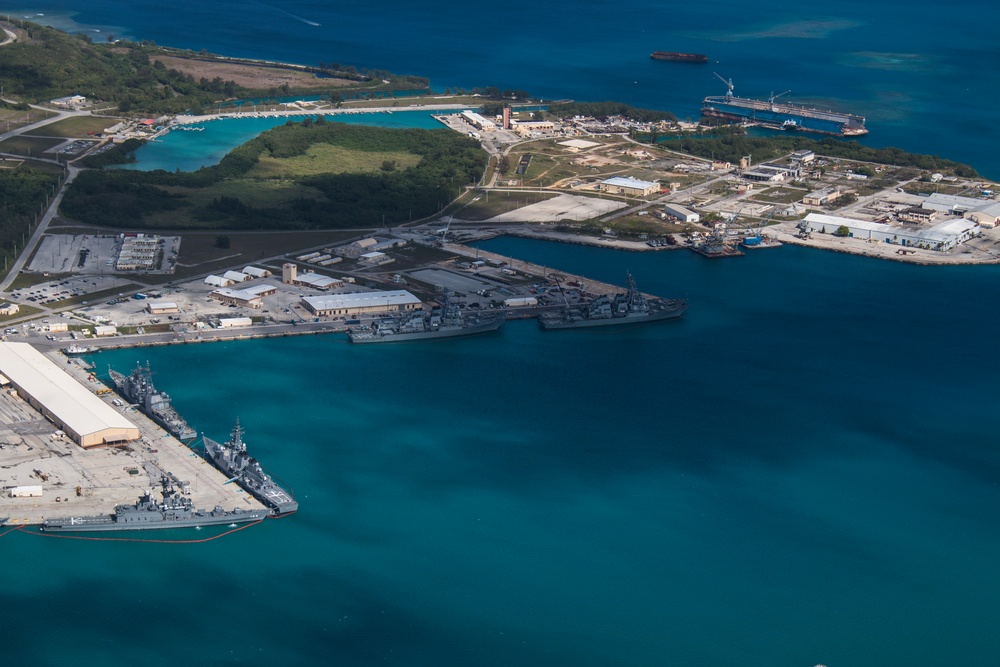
point(599, 109)
point(730, 144)
point(45, 63)
point(308, 175)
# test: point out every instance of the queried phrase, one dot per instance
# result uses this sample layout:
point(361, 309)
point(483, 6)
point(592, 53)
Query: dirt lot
point(249, 76)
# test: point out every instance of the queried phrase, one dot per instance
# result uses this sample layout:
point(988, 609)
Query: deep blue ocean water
point(801, 471)
point(924, 74)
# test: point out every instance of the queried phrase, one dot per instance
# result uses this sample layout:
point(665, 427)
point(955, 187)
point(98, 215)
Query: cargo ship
point(232, 458)
point(175, 511)
point(446, 321)
point(679, 57)
point(138, 388)
point(781, 115)
point(630, 307)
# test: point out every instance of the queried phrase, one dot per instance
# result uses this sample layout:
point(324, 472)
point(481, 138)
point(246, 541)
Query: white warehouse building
point(84, 417)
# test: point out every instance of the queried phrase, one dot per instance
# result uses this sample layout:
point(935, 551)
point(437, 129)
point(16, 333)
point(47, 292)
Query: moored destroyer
point(446, 321)
point(630, 307)
point(175, 511)
point(232, 458)
point(138, 388)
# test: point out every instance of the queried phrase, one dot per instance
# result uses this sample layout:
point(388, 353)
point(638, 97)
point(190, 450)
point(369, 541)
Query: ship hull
point(627, 320)
point(780, 116)
point(91, 524)
point(174, 424)
point(276, 498)
point(679, 57)
point(363, 337)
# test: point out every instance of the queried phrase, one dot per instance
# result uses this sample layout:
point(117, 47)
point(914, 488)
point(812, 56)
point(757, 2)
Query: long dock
point(77, 481)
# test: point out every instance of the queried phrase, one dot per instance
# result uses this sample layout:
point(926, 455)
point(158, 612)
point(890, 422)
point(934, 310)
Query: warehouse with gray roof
point(84, 417)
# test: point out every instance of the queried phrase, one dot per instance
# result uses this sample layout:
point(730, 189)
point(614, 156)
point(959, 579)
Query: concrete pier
point(79, 482)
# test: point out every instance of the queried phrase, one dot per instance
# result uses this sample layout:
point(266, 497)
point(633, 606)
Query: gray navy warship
point(232, 458)
point(138, 388)
point(630, 307)
point(446, 321)
point(175, 511)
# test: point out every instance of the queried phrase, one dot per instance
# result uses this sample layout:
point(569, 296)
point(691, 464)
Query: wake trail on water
point(289, 14)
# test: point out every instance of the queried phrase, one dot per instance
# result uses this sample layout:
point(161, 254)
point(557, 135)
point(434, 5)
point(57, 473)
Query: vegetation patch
point(329, 159)
point(445, 163)
point(73, 127)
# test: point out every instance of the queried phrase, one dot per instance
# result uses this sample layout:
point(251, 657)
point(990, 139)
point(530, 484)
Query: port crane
point(729, 85)
point(773, 97)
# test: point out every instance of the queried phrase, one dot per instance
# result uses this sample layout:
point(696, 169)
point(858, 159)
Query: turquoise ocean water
point(801, 471)
point(189, 150)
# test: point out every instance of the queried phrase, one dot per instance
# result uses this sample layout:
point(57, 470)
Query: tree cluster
point(604, 109)
point(450, 161)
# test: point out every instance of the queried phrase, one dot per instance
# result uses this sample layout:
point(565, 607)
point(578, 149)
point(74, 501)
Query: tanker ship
point(679, 57)
point(781, 115)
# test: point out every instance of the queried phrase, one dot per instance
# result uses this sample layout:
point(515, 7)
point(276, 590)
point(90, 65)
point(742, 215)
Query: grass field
point(25, 145)
point(12, 119)
point(327, 159)
point(73, 127)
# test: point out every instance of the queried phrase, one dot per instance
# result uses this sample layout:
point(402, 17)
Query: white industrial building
point(162, 307)
point(375, 258)
point(478, 121)
point(88, 420)
point(257, 272)
point(218, 281)
point(361, 303)
point(248, 297)
point(681, 213)
point(233, 322)
point(943, 236)
point(626, 185)
point(236, 276)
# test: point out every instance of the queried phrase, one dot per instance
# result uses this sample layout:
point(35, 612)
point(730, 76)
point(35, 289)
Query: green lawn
point(327, 159)
point(25, 145)
point(75, 127)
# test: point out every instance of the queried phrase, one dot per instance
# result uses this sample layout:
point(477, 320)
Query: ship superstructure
point(781, 115)
point(232, 458)
point(174, 511)
point(630, 307)
point(137, 388)
point(446, 321)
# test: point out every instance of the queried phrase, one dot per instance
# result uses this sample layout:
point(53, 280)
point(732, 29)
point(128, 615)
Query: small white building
point(233, 322)
point(69, 102)
point(375, 258)
point(256, 272)
point(218, 281)
point(236, 276)
point(105, 330)
point(681, 213)
point(162, 307)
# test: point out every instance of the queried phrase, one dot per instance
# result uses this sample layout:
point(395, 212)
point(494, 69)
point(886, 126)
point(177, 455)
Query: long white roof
point(71, 402)
point(628, 182)
point(361, 300)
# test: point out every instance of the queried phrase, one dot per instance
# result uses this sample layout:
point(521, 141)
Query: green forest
point(51, 63)
point(730, 144)
point(26, 190)
point(212, 196)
